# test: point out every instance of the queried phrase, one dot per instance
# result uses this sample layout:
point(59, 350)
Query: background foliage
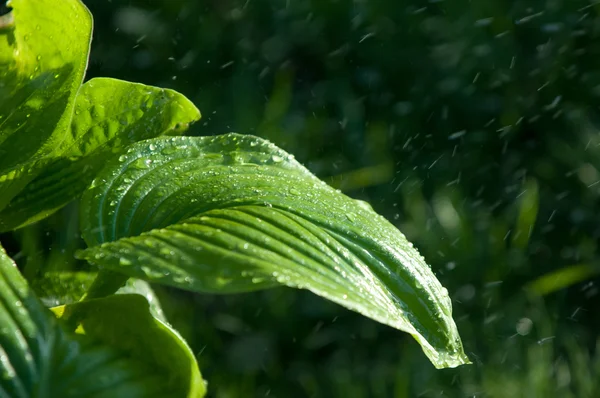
point(473, 126)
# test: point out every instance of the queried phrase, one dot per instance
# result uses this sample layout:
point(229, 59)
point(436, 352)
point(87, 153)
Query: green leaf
point(43, 57)
point(38, 358)
point(562, 279)
point(124, 321)
point(235, 213)
point(142, 288)
point(528, 210)
point(109, 115)
point(60, 288)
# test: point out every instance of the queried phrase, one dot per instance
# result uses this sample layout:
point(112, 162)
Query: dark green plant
point(223, 214)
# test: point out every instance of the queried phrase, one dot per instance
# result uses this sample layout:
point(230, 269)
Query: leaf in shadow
point(39, 358)
point(57, 288)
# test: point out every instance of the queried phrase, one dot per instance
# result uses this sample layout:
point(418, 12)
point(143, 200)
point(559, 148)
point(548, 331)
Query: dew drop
point(168, 151)
point(123, 261)
point(165, 251)
point(142, 163)
point(182, 279)
point(150, 273)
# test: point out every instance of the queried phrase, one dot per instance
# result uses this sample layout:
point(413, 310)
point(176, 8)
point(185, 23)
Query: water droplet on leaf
point(168, 151)
point(123, 261)
point(142, 163)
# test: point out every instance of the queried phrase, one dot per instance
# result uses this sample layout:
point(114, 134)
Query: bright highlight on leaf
point(235, 213)
point(42, 64)
point(109, 115)
point(116, 358)
point(55, 134)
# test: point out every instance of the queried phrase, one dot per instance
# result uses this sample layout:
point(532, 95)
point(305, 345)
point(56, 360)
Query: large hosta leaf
point(123, 354)
point(109, 115)
point(235, 213)
point(43, 56)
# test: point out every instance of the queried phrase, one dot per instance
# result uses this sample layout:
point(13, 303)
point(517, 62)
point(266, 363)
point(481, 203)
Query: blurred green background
point(471, 125)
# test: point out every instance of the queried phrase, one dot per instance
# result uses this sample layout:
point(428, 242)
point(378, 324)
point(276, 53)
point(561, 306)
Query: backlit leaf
point(43, 57)
point(109, 115)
